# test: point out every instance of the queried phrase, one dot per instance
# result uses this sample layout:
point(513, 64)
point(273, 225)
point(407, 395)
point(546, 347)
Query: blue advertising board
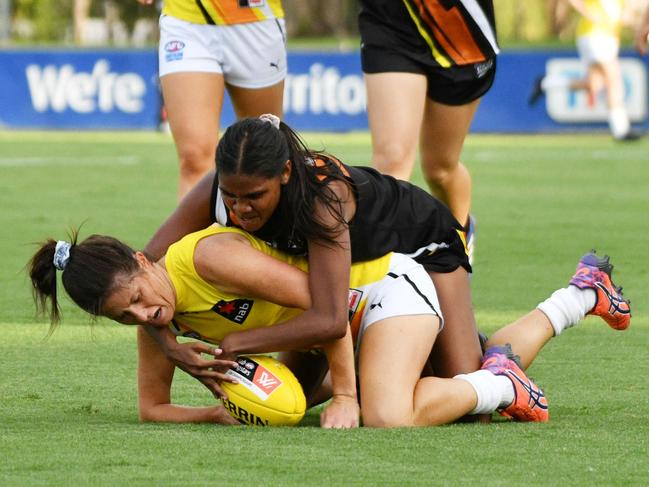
point(505, 107)
point(118, 89)
point(70, 89)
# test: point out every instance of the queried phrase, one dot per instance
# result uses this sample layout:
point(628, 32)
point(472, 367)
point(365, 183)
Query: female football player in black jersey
point(306, 202)
point(426, 65)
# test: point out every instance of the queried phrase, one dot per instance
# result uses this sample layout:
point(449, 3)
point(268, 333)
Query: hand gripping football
point(268, 394)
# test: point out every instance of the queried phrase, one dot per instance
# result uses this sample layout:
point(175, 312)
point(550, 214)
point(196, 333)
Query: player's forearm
point(304, 331)
point(340, 355)
point(163, 336)
point(172, 413)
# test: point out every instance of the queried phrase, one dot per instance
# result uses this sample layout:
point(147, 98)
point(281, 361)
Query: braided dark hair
point(254, 146)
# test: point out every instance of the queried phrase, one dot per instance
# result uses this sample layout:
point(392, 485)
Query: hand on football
point(189, 358)
point(341, 413)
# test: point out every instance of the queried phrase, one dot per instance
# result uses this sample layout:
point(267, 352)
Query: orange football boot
point(530, 403)
point(594, 273)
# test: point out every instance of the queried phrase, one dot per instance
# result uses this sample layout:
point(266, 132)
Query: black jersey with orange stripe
point(442, 33)
point(391, 216)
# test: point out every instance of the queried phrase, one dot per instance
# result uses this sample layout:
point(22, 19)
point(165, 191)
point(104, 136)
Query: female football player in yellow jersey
point(218, 281)
point(206, 47)
point(598, 44)
point(309, 203)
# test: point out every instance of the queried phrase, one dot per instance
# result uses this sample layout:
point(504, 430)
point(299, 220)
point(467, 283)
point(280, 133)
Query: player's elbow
point(146, 415)
point(335, 327)
point(340, 328)
point(326, 325)
point(149, 413)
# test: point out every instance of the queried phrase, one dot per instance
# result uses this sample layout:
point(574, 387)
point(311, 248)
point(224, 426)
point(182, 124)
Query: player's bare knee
point(385, 416)
point(439, 171)
point(391, 156)
point(194, 168)
point(196, 157)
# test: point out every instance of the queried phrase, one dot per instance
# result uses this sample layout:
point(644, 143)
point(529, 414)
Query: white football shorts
point(597, 48)
point(406, 290)
point(250, 55)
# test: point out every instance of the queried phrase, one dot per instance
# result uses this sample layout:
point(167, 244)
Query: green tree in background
point(519, 23)
point(50, 18)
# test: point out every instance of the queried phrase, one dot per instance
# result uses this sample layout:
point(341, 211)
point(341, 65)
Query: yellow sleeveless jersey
point(206, 313)
point(609, 9)
point(223, 12)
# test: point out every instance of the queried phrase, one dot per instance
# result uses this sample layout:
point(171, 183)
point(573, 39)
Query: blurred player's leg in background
point(442, 136)
point(193, 102)
point(254, 102)
point(394, 137)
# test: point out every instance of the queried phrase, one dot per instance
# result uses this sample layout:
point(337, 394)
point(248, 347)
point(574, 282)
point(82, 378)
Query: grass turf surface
point(68, 404)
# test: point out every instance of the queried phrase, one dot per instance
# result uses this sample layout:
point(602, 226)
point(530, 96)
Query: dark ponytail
point(254, 146)
point(43, 276)
point(94, 269)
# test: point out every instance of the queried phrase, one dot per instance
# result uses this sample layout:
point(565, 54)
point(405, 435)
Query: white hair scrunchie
point(62, 254)
point(271, 119)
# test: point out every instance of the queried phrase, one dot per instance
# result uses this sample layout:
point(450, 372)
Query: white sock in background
point(618, 122)
point(568, 306)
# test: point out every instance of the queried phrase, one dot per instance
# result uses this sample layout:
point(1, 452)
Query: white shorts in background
point(406, 290)
point(597, 48)
point(250, 55)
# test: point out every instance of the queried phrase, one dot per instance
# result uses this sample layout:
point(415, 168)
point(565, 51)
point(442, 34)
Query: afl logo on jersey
point(174, 50)
point(174, 46)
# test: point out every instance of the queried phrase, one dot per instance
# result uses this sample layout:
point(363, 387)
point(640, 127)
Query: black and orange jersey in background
point(443, 33)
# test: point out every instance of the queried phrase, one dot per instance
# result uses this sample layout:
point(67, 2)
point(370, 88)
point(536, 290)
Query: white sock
point(568, 306)
point(555, 81)
point(618, 122)
point(493, 391)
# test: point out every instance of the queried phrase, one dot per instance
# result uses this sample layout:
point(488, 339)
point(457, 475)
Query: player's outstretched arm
point(189, 358)
point(343, 411)
point(155, 373)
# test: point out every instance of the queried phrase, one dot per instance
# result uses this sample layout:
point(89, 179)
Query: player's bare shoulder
point(215, 256)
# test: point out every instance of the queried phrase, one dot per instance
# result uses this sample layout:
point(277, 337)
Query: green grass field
point(68, 404)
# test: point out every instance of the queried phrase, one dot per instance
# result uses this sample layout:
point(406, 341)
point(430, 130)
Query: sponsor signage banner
point(505, 108)
point(566, 106)
point(78, 89)
point(118, 89)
